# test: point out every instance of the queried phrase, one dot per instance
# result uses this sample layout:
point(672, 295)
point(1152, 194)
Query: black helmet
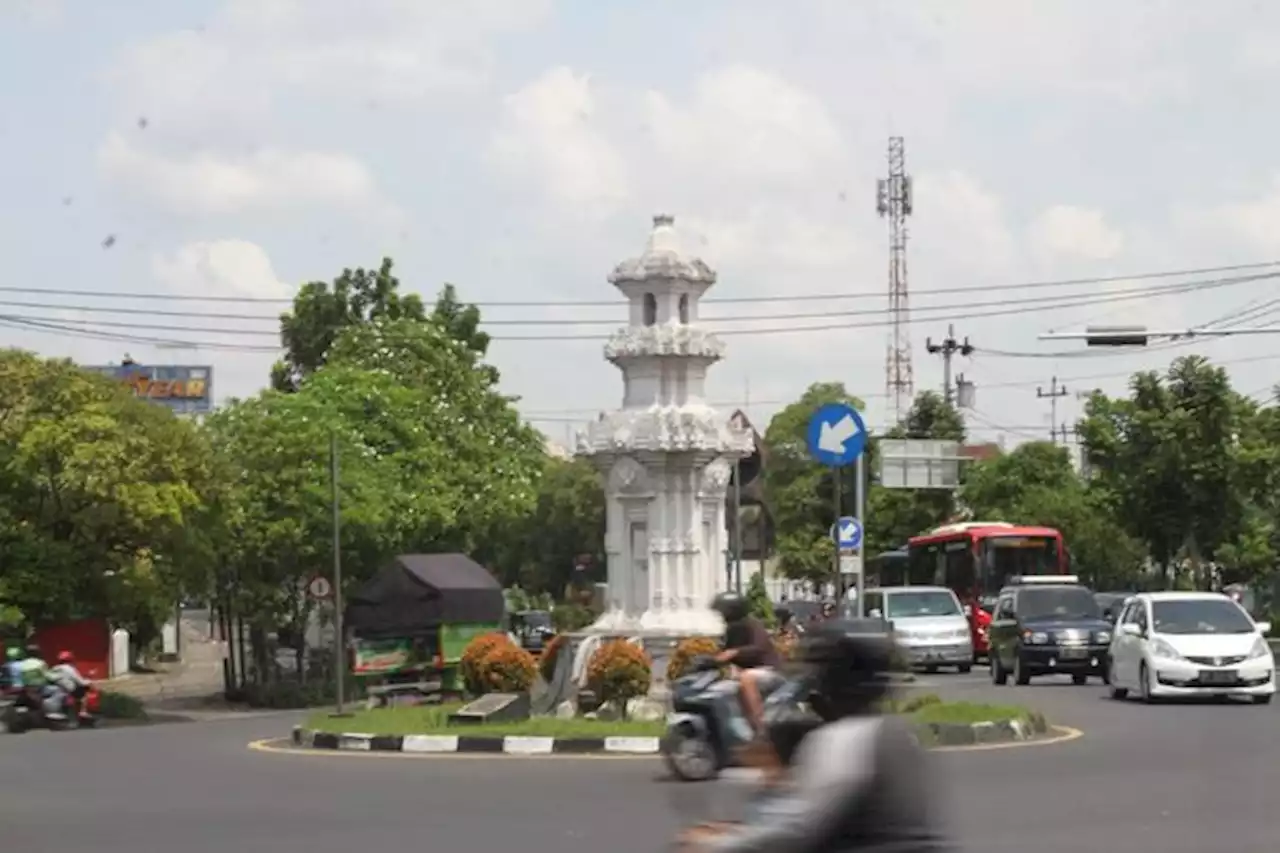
point(33, 651)
point(851, 662)
point(731, 606)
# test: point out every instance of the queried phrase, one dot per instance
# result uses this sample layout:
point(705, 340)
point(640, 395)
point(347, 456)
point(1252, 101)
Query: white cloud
point(254, 52)
point(1075, 232)
point(548, 137)
point(1254, 223)
point(36, 12)
point(747, 124)
point(206, 182)
point(220, 268)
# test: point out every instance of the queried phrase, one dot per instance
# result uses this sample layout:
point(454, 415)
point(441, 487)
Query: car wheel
point(1079, 678)
point(1262, 700)
point(998, 676)
point(1144, 684)
point(1110, 678)
point(930, 669)
point(1020, 673)
point(965, 668)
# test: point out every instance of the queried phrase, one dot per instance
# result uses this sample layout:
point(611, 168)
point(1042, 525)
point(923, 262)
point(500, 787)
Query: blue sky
point(519, 149)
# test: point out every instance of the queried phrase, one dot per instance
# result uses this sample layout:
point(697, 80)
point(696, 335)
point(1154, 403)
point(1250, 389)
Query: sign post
point(837, 437)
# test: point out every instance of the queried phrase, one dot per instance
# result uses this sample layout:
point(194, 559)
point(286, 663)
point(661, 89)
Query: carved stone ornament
point(629, 477)
point(669, 429)
point(662, 259)
point(666, 339)
point(715, 478)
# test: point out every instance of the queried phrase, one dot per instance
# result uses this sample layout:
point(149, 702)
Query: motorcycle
point(80, 709)
point(707, 727)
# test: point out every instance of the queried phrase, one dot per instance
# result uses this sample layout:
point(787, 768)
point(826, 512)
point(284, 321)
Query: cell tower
point(893, 202)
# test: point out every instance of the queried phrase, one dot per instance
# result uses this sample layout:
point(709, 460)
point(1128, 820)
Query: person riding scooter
point(34, 674)
point(11, 674)
point(750, 650)
point(64, 680)
point(859, 781)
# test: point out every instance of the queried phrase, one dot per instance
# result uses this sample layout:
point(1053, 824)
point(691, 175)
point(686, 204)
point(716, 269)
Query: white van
point(929, 624)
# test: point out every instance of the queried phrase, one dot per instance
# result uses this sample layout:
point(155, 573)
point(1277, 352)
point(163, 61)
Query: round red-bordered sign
point(319, 587)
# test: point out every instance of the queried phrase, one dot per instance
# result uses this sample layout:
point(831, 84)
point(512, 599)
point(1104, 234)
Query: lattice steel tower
point(894, 202)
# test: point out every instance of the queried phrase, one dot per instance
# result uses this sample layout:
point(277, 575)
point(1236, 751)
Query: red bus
point(977, 558)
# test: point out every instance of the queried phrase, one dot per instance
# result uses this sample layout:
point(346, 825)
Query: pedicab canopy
point(418, 593)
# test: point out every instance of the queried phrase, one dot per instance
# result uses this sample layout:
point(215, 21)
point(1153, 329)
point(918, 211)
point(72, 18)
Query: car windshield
point(905, 605)
point(1200, 616)
point(1061, 602)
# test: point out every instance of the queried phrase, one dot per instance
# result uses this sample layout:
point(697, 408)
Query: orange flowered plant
point(618, 672)
point(476, 650)
point(684, 653)
point(506, 669)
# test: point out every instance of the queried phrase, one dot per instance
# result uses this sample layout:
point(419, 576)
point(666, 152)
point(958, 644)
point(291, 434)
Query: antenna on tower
point(894, 202)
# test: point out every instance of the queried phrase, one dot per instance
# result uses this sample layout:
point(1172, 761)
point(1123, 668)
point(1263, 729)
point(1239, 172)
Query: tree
point(100, 496)
point(799, 491)
point(566, 525)
point(321, 311)
point(1166, 460)
point(1036, 485)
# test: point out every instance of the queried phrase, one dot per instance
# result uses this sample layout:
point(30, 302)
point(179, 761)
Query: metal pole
point(860, 509)
point(339, 640)
point(835, 538)
point(737, 525)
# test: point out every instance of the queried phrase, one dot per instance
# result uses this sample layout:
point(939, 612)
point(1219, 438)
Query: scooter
point(80, 709)
point(707, 726)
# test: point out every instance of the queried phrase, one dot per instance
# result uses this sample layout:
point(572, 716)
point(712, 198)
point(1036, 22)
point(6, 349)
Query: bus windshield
point(1007, 556)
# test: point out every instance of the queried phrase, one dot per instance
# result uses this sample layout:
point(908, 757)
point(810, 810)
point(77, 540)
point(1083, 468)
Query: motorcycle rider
point(12, 676)
point(34, 673)
point(859, 780)
point(750, 650)
point(64, 680)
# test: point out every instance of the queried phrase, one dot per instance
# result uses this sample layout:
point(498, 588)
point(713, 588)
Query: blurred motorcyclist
point(858, 780)
point(750, 650)
point(64, 680)
point(33, 671)
point(11, 675)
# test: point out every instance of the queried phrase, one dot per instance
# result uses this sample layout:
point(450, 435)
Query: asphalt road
point(1173, 779)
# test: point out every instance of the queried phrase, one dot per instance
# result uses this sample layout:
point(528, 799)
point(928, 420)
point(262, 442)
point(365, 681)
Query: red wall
point(88, 639)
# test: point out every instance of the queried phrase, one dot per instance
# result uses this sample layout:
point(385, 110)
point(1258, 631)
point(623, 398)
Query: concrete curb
point(930, 734)
point(448, 744)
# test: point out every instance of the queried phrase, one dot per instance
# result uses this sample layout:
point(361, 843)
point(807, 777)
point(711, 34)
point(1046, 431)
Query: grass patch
point(968, 712)
point(434, 720)
point(121, 706)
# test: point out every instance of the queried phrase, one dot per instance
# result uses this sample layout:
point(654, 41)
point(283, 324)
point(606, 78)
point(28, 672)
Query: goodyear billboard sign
point(186, 389)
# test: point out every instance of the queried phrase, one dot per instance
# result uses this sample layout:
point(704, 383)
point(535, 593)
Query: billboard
point(187, 389)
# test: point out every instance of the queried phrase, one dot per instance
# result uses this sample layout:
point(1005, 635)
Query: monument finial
point(661, 219)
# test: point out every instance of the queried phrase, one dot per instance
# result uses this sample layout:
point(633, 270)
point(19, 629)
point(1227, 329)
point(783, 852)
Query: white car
point(929, 625)
point(1187, 644)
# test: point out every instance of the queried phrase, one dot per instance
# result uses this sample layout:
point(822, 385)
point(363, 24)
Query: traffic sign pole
point(838, 583)
point(860, 510)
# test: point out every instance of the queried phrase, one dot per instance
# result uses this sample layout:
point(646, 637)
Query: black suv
point(1046, 625)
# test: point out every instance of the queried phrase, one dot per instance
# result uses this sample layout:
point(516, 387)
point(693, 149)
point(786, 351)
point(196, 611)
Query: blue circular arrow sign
point(847, 532)
point(837, 435)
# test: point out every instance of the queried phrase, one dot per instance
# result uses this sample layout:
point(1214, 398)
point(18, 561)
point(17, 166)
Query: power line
point(151, 296)
point(68, 326)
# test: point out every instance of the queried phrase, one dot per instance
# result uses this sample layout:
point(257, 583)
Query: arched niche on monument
point(684, 309)
point(650, 309)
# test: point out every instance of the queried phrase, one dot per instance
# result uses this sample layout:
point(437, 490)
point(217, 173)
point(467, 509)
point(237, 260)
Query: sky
point(519, 149)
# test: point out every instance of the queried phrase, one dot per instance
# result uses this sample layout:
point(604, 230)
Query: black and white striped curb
point(446, 744)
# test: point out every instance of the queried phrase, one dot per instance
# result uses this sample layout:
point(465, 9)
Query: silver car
point(929, 624)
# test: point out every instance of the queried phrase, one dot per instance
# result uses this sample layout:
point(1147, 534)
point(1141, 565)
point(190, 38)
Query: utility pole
point(947, 348)
point(1055, 391)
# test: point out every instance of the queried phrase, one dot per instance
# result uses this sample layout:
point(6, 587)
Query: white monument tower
point(666, 455)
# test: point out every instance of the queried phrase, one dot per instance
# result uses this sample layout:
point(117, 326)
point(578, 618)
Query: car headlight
point(1103, 636)
point(1036, 638)
point(1161, 649)
point(960, 633)
point(1260, 649)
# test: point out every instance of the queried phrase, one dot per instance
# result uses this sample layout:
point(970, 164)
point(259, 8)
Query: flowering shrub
point(619, 671)
point(506, 669)
point(475, 651)
point(684, 653)
point(551, 654)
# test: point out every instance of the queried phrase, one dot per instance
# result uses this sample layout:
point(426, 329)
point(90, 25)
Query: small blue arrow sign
point(847, 532)
point(837, 435)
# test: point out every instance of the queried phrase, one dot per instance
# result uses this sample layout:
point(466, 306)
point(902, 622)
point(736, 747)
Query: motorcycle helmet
point(13, 653)
point(33, 651)
point(65, 656)
point(850, 664)
point(731, 606)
